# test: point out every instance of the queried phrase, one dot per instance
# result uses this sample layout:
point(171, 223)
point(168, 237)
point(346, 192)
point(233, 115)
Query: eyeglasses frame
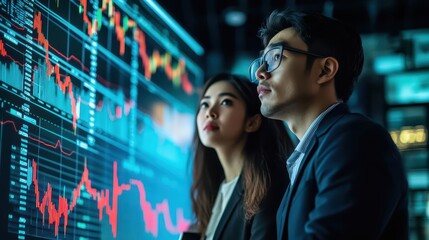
point(283, 47)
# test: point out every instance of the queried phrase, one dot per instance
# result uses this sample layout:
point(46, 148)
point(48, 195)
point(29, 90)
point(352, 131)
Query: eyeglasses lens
point(271, 61)
point(253, 68)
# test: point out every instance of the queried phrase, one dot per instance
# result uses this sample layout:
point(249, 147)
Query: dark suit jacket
point(351, 184)
point(232, 224)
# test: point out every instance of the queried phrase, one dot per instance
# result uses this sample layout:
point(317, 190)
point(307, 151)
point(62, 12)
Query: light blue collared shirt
point(302, 146)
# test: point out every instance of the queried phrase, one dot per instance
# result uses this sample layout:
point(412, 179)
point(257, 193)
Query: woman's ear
point(253, 123)
point(329, 68)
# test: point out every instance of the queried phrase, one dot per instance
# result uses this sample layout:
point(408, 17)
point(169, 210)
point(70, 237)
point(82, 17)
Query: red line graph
point(120, 30)
point(69, 58)
point(121, 24)
point(151, 214)
point(78, 61)
point(178, 75)
point(4, 53)
point(100, 79)
point(2, 49)
point(83, 10)
point(119, 111)
point(104, 202)
point(67, 84)
point(57, 144)
point(14, 25)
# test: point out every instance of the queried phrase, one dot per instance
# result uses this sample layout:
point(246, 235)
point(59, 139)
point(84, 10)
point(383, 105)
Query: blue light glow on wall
point(407, 88)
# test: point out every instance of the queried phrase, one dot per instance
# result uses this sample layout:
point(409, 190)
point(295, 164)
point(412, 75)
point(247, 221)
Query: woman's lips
point(210, 127)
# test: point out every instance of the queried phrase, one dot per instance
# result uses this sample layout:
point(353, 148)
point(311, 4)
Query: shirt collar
point(303, 144)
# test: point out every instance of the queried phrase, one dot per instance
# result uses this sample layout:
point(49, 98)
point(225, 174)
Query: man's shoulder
point(358, 120)
point(342, 118)
point(357, 124)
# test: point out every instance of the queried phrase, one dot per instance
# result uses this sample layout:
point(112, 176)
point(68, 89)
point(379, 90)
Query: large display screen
point(97, 106)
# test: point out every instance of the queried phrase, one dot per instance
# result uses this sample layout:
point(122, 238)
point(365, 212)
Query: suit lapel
point(290, 192)
point(326, 123)
point(281, 213)
point(236, 197)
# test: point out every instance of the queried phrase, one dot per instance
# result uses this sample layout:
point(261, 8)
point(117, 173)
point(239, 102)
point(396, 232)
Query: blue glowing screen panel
point(97, 101)
point(407, 88)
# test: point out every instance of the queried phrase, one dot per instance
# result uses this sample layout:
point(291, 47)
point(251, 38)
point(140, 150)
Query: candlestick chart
point(97, 101)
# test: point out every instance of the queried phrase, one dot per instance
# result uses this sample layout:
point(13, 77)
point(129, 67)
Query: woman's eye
point(226, 102)
point(204, 105)
point(277, 57)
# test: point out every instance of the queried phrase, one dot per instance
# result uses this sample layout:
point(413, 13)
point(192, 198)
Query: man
point(347, 176)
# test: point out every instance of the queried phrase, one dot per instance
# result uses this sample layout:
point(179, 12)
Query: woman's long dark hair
point(266, 151)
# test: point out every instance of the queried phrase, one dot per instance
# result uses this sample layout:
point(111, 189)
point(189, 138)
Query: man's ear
point(329, 67)
point(253, 123)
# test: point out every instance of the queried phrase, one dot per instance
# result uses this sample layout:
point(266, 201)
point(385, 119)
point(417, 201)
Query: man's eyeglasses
point(272, 59)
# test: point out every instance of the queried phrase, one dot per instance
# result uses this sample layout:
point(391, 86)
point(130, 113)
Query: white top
point(223, 196)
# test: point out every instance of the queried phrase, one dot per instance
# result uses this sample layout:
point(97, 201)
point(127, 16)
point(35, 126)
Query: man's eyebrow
point(282, 43)
point(271, 45)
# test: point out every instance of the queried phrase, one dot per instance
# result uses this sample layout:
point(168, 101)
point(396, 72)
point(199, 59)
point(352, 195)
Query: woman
point(239, 172)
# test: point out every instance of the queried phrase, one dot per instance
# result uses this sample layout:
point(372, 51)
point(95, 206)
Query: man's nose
point(261, 74)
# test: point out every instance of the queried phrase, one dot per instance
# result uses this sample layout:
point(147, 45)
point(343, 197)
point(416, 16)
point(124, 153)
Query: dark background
point(223, 43)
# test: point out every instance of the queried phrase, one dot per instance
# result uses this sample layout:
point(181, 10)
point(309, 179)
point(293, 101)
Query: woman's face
point(222, 116)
